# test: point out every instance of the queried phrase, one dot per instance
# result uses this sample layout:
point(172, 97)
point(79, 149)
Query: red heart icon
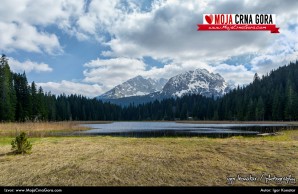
point(209, 18)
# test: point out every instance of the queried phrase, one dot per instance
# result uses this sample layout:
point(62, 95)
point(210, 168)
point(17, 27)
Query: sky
point(89, 46)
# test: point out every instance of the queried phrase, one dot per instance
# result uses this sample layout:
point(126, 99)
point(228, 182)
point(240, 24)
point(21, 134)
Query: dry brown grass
point(39, 129)
point(101, 161)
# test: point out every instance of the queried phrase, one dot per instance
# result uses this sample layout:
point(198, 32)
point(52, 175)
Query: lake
point(173, 129)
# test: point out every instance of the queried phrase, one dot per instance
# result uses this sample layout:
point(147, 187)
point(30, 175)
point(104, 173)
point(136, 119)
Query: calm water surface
point(158, 129)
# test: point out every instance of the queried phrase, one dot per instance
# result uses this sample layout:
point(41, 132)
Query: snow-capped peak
point(199, 81)
point(137, 86)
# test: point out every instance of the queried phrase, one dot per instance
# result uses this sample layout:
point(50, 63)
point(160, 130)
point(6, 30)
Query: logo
point(239, 22)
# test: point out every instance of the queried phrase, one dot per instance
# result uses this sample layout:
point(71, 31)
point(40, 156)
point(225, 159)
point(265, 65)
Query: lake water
point(173, 129)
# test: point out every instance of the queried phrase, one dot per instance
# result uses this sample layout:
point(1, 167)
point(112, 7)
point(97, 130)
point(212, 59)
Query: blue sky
point(89, 46)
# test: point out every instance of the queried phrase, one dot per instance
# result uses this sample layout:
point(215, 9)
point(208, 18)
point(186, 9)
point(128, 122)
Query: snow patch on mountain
point(137, 86)
point(141, 90)
point(199, 81)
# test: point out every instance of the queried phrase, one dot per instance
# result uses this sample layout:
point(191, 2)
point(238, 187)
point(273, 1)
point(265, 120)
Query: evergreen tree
point(22, 90)
point(260, 110)
point(290, 102)
point(256, 78)
point(35, 104)
point(250, 115)
point(41, 105)
point(7, 92)
point(277, 109)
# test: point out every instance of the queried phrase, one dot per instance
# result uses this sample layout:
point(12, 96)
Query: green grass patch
point(5, 140)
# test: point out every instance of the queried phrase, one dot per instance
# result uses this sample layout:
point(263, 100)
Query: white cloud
point(165, 30)
point(68, 87)
point(239, 74)
point(174, 68)
point(169, 30)
point(42, 12)
point(28, 66)
point(25, 37)
point(281, 52)
point(21, 23)
point(111, 72)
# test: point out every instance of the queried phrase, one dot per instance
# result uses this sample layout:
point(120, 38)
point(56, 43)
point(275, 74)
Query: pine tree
point(250, 111)
point(7, 92)
point(256, 78)
point(290, 102)
point(51, 106)
point(23, 105)
point(35, 104)
point(277, 108)
point(260, 109)
point(41, 105)
point(21, 144)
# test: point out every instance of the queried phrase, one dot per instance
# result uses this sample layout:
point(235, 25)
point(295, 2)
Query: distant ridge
point(139, 90)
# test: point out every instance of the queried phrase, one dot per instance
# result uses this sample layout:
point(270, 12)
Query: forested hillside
point(20, 101)
point(272, 97)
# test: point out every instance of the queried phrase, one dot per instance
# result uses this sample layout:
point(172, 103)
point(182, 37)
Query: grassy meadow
point(119, 161)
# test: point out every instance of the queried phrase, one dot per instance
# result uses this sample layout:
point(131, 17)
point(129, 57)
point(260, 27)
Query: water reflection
point(172, 129)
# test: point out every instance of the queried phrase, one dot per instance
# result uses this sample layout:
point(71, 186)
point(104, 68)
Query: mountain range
point(141, 90)
point(137, 86)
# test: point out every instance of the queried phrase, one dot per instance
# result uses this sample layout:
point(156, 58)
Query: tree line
point(272, 97)
point(21, 101)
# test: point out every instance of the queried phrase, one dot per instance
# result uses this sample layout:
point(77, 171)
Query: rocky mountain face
point(137, 86)
point(141, 90)
point(199, 81)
